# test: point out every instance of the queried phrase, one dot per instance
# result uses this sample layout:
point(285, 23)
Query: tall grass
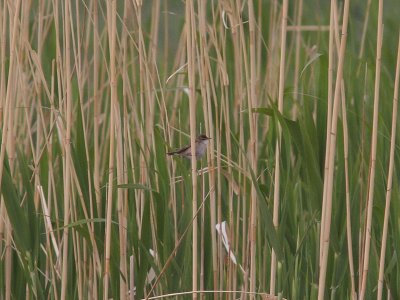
point(296, 197)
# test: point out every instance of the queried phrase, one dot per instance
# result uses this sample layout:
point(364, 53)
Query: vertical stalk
point(253, 145)
point(332, 24)
point(297, 59)
point(8, 142)
point(205, 82)
point(390, 176)
point(348, 206)
point(3, 31)
point(374, 137)
point(67, 146)
point(327, 214)
point(122, 160)
point(278, 142)
point(249, 230)
point(190, 44)
point(11, 70)
point(96, 107)
point(39, 96)
point(111, 26)
point(96, 117)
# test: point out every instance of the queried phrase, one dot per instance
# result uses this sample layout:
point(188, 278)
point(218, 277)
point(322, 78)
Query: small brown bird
point(201, 146)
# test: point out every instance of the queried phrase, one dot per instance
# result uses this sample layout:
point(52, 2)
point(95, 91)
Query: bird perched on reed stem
point(201, 147)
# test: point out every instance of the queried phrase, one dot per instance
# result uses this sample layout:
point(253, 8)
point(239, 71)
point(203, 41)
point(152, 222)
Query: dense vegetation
point(302, 165)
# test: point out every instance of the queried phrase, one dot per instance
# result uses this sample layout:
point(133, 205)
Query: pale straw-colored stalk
point(96, 121)
point(346, 168)
point(58, 78)
point(96, 107)
point(146, 132)
point(39, 99)
point(122, 177)
point(232, 276)
point(273, 58)
point(122, 160)
point(371, 180)
point(132, 278)
point(390, 177)
point(328, 121)
point(3, 31)
point(7, 108)
point(348, 204)
point(67, 146)
point(297, 59)
point(332, 26)
point(318, 28)
point(205, 82)
point(238, 120)
point(80, 246)
point(327, 214)
point(252, 102)
point(278, 142)
point(191, 60)
point(8, 142)
point(111, 28)
point(140, 200)
point(247, 229)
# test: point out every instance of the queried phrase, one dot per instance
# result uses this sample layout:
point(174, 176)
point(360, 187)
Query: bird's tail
point(172, 153)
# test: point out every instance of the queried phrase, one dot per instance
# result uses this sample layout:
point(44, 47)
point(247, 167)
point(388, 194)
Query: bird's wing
point(179, 151)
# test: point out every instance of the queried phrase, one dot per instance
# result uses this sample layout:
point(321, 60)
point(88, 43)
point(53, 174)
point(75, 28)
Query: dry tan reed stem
point(390, 176)
point(297, 59)
point(238, 120)
point(38, 103)
point(111, 28)
point(278, 142)
point(3, 31)
point(252, 102)
point(143, 112)
point(348, 209)
point(205, 76)
point(308, 28)
point(272, 70)
point(247, 231)
point(374, 137)
point(6, 130)
point(67, 146)
point(328, 122)
point(3, 27)
point(191, 59)
point(122, 160)
point(96, 120)
point(122, 174)
point(96, 107)
point(202, 76)
point(334, 42)
point(47, 221)
point(79, 246)
point(11, 99)
point(336, 37)
point(132, 278)
point(327, 214)
point(50, 180)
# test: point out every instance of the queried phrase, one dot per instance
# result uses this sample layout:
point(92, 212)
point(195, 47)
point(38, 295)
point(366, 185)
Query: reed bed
point(296, 198)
